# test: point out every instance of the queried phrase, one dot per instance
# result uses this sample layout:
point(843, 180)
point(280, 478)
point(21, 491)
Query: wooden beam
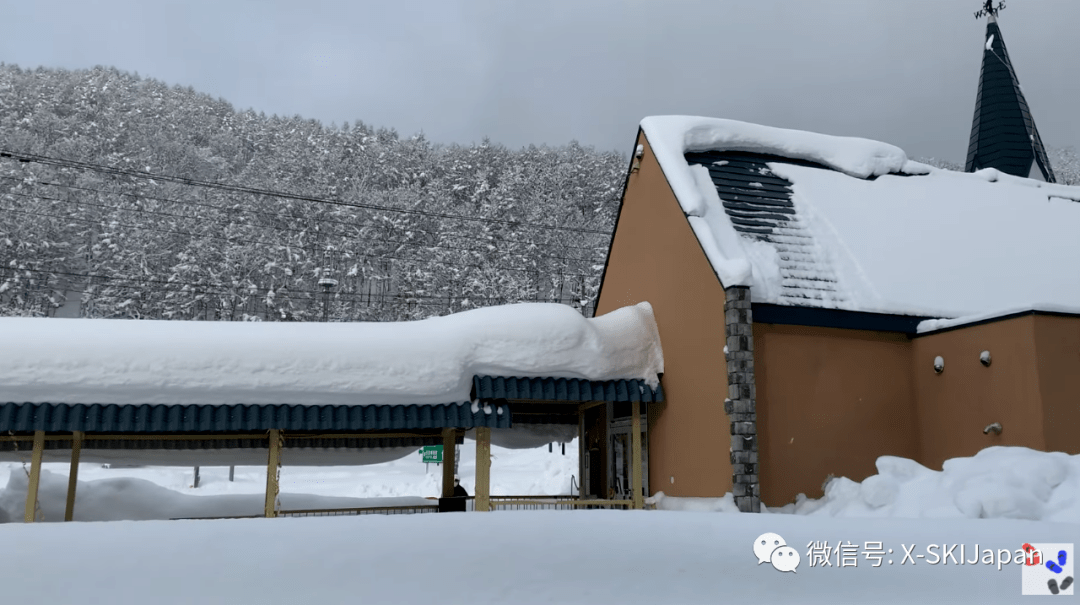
point(35, 477)
point(449, 445)
point(73, 475)
point(590, 405)
point(581, 453)
point(635, 455)
point(272, 464)
point(483, 469)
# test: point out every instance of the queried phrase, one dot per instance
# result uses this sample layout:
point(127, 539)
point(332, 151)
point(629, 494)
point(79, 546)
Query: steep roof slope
point(844, 223)
point(1003, 133)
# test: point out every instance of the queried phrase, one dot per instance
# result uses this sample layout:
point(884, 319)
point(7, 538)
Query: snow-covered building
point(234, 393)
point(824, 301)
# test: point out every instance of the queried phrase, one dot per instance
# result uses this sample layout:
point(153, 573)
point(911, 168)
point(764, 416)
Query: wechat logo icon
point(772, 548)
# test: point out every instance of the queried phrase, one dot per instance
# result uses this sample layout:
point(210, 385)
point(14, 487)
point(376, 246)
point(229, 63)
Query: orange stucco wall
point(829, 401)
point(656, 258)
point(955, 406)
point(1057, 345)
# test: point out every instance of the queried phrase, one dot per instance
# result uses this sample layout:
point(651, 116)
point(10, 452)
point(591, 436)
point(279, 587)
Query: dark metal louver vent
point(760, 206)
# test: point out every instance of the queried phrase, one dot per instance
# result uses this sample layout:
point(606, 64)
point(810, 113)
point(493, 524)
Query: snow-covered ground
point(662, 556)
point(107, 494)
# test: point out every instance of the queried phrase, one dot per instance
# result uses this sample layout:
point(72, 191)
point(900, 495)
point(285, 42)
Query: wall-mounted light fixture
point(994, 427)
point(984, 358)
point(638, 153)
point(939, 364)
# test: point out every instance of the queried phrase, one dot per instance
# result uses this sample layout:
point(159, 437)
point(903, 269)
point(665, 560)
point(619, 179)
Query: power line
point(279, 228)
point(273, 215)
point(49, 161)
point(219, 288)
point(234, 240)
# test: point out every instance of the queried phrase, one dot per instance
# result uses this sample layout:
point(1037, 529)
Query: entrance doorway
point(621, 467)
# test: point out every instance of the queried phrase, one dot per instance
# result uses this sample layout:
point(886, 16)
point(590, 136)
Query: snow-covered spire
point(1003, 133)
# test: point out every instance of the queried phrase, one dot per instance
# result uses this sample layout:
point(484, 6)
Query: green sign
point(431, 453)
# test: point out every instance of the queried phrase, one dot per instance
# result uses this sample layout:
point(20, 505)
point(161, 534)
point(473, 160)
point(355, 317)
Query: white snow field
point(661, 556)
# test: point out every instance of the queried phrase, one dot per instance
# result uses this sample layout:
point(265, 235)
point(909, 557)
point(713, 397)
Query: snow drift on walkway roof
point(863, 228)
point(429, 361)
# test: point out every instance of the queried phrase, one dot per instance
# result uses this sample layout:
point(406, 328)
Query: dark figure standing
point(459, 492)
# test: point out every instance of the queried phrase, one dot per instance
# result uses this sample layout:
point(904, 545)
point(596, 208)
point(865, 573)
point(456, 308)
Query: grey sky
point(548, 71)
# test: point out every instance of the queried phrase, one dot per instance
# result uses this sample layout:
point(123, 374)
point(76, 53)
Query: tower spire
point(1003, 133)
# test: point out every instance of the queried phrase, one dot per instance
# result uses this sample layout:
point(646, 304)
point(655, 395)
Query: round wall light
point(984, 358)
point(939, 364)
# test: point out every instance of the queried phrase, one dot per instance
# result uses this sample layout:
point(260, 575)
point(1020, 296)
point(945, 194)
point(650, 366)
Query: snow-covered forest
point(102, 219)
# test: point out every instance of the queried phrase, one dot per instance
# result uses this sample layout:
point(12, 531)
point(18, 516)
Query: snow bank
point(996, 483)
point(429, 361)
point(129, 499)
point(932, 325)
point(519, 557)
point(661, 501)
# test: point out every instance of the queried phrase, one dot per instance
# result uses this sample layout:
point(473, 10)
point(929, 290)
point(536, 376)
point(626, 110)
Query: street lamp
point(326, 283)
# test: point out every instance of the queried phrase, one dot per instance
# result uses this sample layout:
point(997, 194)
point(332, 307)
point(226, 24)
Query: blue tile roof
point(563, 389)
point(205, 418)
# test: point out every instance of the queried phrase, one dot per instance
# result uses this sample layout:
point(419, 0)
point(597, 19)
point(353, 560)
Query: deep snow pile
point(428, 361)
point(523, 557)
point(996, 483)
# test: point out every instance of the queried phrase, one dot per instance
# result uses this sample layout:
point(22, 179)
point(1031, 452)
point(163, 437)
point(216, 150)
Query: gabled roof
point(812, 220)
point(1003, 133)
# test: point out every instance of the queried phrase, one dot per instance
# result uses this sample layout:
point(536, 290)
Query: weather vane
point(989, 9)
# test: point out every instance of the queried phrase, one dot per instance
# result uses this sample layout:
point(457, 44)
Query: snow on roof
point(886, 234)
point(419, 362)
point(934, 325)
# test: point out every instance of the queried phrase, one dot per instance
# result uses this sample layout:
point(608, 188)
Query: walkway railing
point(560, 502)
point(552, 503)
point(366, 510)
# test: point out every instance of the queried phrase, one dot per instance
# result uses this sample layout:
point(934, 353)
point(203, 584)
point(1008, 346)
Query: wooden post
point(35, 476)
point(196, 477)
point(449, 436)
point(581, 452)
point(232, 472)
point(483, 469)
point(73, 474)
point(272, 464)
point(635, 455)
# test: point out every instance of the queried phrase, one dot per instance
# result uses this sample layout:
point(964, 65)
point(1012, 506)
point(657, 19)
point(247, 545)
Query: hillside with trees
point(124, 197)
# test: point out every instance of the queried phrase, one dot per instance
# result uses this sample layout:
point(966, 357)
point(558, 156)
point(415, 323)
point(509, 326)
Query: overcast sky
point(549, 71)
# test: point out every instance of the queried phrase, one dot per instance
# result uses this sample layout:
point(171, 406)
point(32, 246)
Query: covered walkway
point(218, 393)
